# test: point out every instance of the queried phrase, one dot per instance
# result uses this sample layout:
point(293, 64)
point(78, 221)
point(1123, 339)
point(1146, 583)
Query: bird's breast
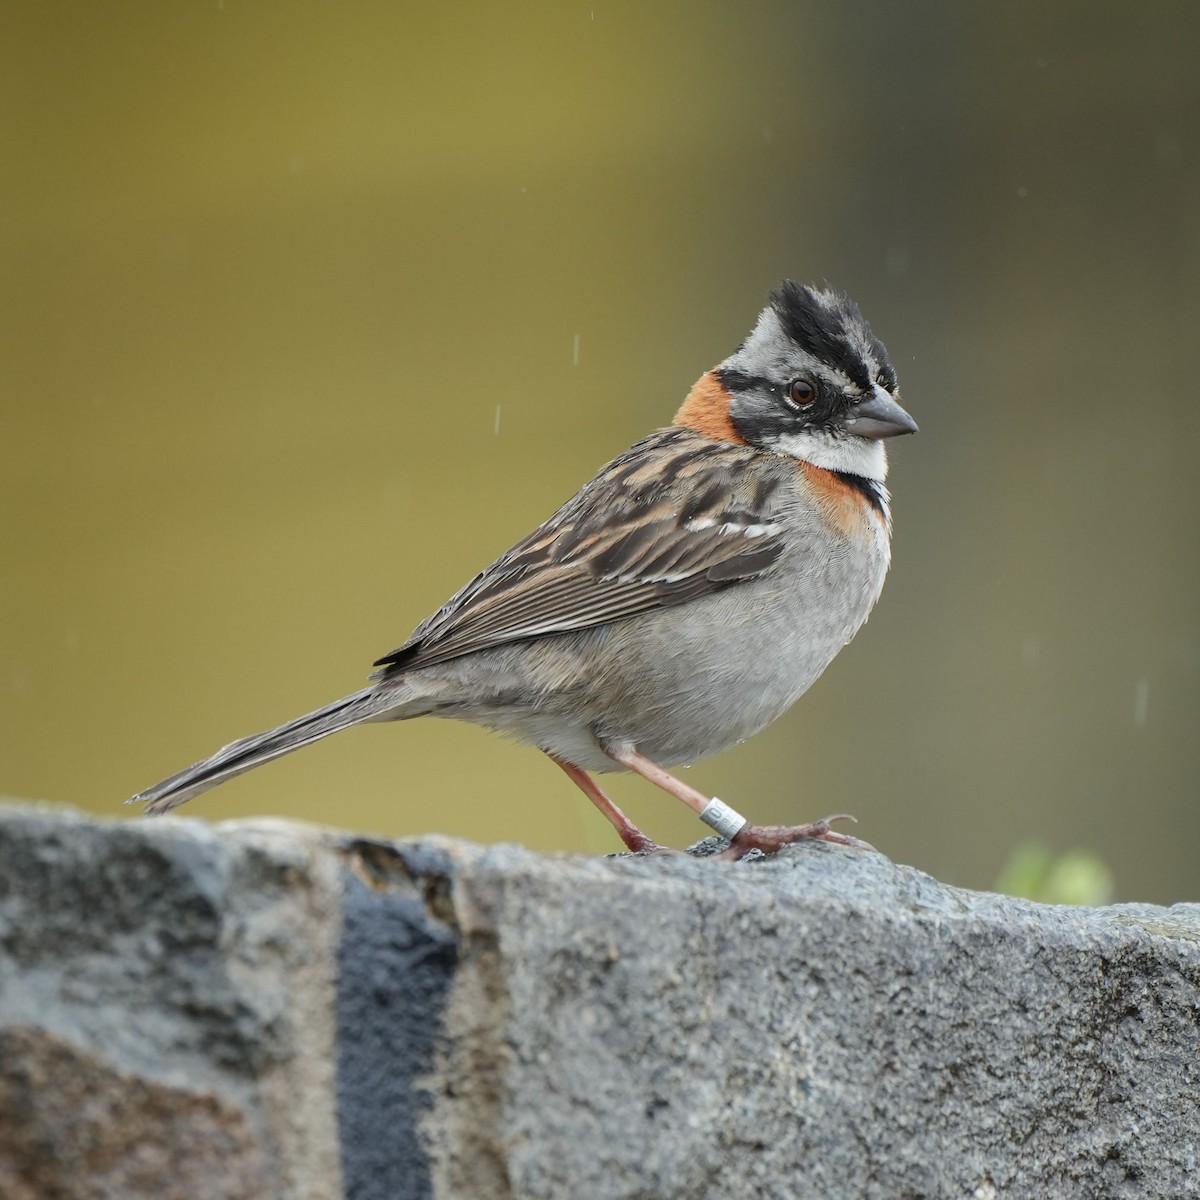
point(849, 506)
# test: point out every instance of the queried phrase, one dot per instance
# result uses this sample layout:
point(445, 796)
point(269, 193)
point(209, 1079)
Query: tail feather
point(259, 748)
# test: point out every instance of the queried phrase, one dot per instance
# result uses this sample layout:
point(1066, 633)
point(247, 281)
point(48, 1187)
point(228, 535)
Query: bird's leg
point(628, 832)
point(743, 837)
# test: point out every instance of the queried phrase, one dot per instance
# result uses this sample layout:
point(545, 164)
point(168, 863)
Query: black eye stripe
point(734, 380)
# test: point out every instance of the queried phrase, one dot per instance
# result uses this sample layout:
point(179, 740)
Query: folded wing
point(674, 518)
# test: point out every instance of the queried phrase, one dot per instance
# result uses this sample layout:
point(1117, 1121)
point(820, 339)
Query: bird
point(682, 600)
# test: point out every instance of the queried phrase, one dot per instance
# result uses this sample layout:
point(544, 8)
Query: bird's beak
point(879, 416)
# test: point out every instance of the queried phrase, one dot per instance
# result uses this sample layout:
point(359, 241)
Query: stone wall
point(272, 1010)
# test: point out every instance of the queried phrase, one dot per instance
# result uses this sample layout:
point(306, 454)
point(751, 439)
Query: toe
point(772, 838)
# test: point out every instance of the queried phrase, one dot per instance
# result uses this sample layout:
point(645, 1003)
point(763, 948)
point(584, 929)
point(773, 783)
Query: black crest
point(829, 326)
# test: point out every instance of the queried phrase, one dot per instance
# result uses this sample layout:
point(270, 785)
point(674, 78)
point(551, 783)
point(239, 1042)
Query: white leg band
point(726, 821)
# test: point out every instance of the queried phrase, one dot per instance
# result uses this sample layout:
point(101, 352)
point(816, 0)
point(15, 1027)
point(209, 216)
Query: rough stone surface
point(277, 1011)
point(166, 1010)
point(822, 1024)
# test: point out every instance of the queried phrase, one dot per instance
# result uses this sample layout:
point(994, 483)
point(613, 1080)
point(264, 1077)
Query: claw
point(650, 848)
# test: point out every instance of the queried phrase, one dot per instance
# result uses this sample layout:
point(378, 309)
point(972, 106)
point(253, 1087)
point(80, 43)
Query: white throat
point(853, 455)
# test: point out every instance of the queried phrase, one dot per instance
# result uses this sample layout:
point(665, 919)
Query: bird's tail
point(259, 748)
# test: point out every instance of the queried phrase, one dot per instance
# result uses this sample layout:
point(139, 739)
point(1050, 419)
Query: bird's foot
point(772, 838)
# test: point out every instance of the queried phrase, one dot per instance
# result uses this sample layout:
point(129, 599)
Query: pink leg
point(767, 838)
point(628, 832)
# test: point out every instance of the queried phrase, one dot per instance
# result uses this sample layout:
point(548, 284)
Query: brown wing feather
point(677, 516)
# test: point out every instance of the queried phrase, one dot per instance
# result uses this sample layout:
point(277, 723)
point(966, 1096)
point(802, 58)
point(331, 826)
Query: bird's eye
point(801, 392)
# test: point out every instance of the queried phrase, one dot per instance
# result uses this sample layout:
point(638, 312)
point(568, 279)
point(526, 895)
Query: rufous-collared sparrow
point(682, 599)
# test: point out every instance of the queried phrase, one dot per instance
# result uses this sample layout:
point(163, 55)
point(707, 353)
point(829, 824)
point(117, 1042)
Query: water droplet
point(1141, 703)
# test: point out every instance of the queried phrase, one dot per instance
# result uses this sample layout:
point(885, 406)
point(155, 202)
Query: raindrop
point(1141, 703)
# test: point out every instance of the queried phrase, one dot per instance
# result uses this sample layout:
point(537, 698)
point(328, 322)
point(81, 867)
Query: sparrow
point(683, 599)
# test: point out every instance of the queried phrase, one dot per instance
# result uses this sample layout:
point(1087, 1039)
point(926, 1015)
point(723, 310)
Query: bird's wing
point(677, 516)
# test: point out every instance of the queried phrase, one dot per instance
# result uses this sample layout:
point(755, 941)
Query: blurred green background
point(310, 309)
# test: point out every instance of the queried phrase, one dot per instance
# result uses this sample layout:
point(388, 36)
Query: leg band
point(717, 815)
